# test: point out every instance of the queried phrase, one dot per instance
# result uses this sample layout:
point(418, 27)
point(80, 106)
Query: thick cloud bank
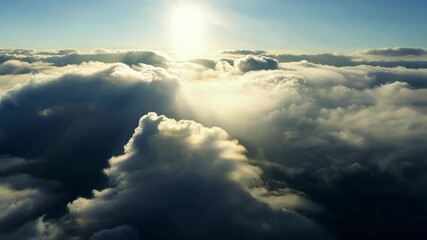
point(396, 52)
point(243, 145)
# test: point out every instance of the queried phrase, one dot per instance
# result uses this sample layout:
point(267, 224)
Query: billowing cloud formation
point(324, 142)
point(80, 119)
point(254, 63)
point(23, 198)
point(396, 52)
point(176, 174)
point(15, 67)
point(337, 127)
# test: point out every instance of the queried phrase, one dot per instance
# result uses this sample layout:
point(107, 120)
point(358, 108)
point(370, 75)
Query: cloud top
point(135, 144)
point(255, 63)
point(396, 52)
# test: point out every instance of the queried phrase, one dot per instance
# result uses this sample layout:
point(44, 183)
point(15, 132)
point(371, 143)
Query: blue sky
point(309, 25)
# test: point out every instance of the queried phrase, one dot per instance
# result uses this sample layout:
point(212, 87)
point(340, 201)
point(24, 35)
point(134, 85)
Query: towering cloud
point(176, 174)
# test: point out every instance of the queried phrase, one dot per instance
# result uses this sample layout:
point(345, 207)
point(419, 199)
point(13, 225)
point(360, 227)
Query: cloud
point(334, 126)
point(268, 149)
point(37, 229)
point(325, 59)
point(67, 57)
point(254, 63)
point(360, 77)
point(118, 233)
point(79, 119)
point(395, 52)
point(205, 62)
point(178, 173)
point(59, 52)
point(338, 60)
point(24, 197)
point(17, 51)
point(15, 67)
point(244, 52)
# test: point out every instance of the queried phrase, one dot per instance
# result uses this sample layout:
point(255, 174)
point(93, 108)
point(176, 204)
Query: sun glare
point(188, 30)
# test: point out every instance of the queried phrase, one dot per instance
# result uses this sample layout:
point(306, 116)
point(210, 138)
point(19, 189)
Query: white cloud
point(314, 130)
point(168, 161)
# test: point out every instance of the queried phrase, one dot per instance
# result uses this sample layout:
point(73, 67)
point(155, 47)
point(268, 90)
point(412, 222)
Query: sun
point(188, 25)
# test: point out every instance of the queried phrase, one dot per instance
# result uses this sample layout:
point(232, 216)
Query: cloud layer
point(396, 52)
point(246, 144)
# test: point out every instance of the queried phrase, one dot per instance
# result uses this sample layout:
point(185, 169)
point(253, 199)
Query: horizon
point(302, 25)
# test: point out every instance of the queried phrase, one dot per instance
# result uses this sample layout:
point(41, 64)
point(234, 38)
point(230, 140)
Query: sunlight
point(188, 30)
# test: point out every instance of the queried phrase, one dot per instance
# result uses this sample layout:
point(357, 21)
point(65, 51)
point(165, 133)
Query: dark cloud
point(24, 197)
point(395, 52)
point(207, 63)
point(75, 122)
point(379, 204)
point(228, 60)
point(254, 63)
point(343, 60)
point(118, 233)
point(243, 52)
point(35, 229)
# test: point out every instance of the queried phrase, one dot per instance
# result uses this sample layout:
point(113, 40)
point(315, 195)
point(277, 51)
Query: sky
point(143, 24)
point(226, 119)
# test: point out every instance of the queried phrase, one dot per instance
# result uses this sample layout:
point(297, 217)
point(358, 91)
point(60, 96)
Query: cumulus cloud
point(325, 138)
point(23, 197)
point(333, 124)
point(16, 67)
point(254, 63)
point(174, 174)
point(80, 119)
